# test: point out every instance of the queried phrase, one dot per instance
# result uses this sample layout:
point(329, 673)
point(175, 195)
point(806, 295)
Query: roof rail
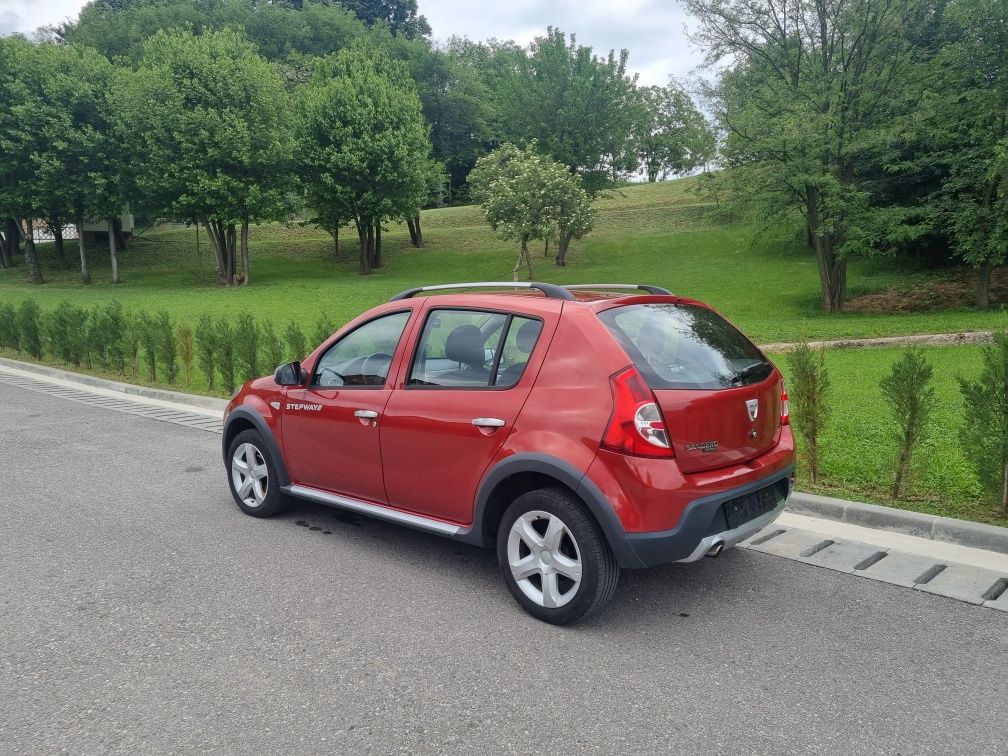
point(550, 290)
point(633, 287)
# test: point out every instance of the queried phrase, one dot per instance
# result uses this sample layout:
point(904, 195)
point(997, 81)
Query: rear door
point(718, 393)
point(471, 372)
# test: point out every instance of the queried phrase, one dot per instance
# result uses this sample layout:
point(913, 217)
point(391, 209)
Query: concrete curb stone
point(974, 534)
point(176, 397)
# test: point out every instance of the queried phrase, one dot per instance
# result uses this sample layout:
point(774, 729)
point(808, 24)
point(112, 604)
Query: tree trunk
point(57, 229)
point(983, 285)
point(370, 245)
point(13, 234)
point(412, 231)
point(120, 236)
point(419, 231)
point(363, 229)
point(113, 252)
point(85, 274)
point(377, 246)
point(230, 235)
point(31, 255)
point(902, 467)
point(561, 256)
point(245, 249)
point(5, 254)
point(523, 255)
point(832, 268)
point(215, 231)
point(335, 241)
point(546, 248)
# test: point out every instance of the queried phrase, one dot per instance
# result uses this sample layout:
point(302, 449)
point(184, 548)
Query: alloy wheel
point(249, 475)
point(544, 559)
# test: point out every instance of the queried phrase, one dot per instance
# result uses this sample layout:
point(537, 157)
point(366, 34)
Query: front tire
point(553, 558)
point(252, 476)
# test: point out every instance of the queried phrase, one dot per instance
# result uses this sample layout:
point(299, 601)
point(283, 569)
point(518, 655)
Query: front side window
point(473, 349)
point(362, 357)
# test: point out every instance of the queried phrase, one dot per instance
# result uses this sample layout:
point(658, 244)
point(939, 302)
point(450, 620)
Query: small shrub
point(909, 392)
point(186, 350)
point(206, 349)
point(29, 328)
point(148, 333)
point(984, 434)
point(166, 349)
point(295, 338)
point(324, 328)
point(272, 347)
point(808, 391)
point(9, 327)
point(131, 339)
point(106, 336)
point(66, 331)
point(246, 347)
point(224, 345)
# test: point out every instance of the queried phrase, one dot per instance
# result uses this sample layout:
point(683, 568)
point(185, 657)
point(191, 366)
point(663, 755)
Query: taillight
point(785, 410)
point(636, 426)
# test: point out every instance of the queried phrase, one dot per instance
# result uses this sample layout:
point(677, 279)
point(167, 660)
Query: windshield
point(686, 347)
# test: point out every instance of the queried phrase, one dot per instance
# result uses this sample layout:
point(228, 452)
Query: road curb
point(176, 397)
point(937, 528)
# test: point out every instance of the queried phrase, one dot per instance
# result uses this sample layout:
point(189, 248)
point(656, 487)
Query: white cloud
point(26, 16)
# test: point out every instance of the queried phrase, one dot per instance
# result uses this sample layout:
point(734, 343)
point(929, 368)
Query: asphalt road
point(141, 611)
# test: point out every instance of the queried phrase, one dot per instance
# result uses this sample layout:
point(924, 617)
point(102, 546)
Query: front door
point(471, 373)
point(331, 426)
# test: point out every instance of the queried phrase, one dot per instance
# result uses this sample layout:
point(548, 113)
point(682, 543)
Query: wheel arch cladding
point(243, 419)
point(525, 472)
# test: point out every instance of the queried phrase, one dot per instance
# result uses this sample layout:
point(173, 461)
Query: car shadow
point(653, 596)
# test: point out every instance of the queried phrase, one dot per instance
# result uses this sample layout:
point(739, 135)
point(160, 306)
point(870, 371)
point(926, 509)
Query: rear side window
point(685, 347)
point(473, 349)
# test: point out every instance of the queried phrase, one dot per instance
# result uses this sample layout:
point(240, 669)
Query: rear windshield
point(686, 347)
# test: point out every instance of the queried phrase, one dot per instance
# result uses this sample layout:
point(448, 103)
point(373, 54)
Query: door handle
point(488, 422)
point(366, 414)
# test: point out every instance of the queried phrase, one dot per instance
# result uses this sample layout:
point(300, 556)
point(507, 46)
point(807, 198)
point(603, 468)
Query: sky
point(652, 30)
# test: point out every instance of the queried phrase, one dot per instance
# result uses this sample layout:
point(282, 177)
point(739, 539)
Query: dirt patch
point(956, 292)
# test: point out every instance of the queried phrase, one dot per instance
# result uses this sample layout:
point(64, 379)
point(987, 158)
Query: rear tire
point(252, 476)
point(553, 557)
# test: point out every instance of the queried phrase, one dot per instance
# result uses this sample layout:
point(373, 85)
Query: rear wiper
point(749, 372)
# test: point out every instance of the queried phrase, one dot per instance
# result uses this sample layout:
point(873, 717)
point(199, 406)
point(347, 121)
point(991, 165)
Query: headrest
point(527, 335)
point(465, 345)
point(651, 337)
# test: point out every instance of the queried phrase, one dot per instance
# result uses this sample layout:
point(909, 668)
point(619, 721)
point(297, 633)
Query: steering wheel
point(324, 380)
point(387, 358)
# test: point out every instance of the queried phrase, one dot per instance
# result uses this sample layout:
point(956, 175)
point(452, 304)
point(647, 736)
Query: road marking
point(154, 409)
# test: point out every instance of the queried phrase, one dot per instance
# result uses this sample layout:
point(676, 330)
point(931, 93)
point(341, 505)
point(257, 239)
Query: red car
point(577, 429)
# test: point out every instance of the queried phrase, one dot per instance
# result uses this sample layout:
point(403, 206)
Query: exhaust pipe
point(716, 549)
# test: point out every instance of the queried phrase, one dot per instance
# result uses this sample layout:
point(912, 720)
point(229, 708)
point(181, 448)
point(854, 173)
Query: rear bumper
point(702, 526)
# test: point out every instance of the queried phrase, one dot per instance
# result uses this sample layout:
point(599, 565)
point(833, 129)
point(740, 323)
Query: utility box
point(96, 232)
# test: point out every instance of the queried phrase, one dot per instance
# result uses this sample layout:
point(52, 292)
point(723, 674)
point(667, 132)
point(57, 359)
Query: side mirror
point(289, 374)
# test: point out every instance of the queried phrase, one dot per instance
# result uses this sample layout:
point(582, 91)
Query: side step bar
point(374, 510)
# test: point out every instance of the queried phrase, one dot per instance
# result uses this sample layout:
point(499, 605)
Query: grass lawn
point(654, 233)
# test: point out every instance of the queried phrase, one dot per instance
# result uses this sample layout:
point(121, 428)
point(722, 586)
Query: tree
point(528, 196)
point(911, 397)
point(362, 143)
point(212, 132)
point(400, 16)
point(808, 398)
point(673, 136)
point(984, 433)
point(580, 108)
point(965, 135)
point(810, 99)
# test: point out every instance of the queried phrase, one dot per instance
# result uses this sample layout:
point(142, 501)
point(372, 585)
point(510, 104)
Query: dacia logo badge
point(753, 406)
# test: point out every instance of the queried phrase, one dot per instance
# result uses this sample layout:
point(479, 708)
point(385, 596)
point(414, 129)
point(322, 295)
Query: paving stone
point(789, 544)
point(899, 568)
point(963, 583)
point(842, 555)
